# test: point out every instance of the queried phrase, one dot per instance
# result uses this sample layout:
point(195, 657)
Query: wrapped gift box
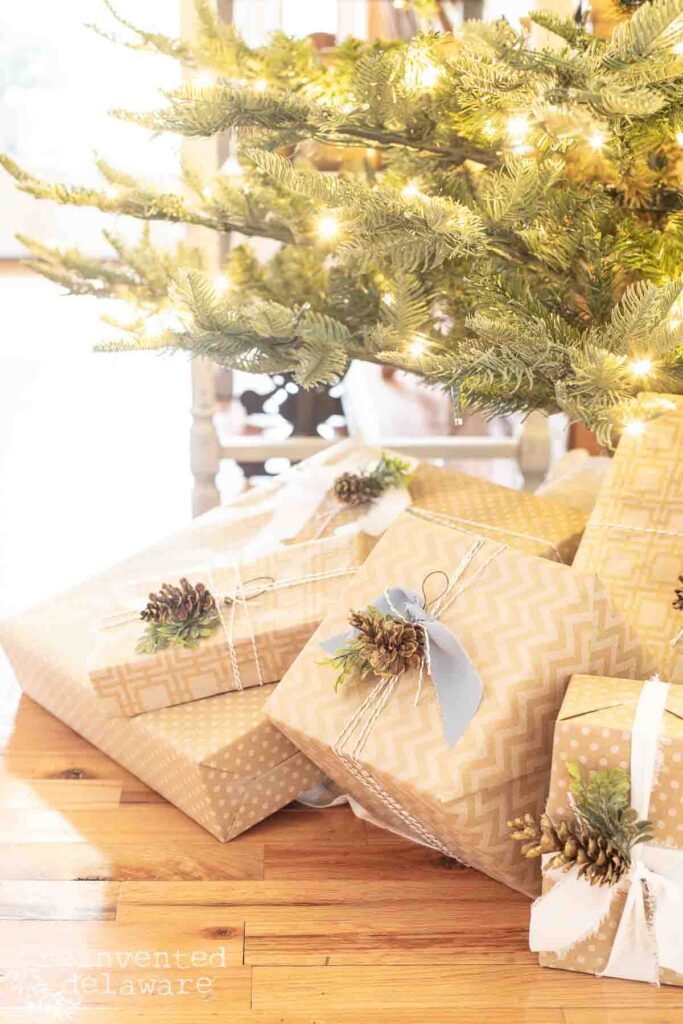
point(526, 624)
point(634, 538)
point(218, 759)
point(254, 642)
point(594, 730)
point(305, 506)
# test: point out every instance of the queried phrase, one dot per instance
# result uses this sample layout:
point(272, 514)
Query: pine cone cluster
point(178, 604)
point(355, 489)
point(599, 859)
point(387, 646)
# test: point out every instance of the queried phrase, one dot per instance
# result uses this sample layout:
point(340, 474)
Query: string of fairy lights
point(420, 73)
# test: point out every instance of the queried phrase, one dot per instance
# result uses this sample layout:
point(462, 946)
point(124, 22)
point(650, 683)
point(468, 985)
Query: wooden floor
point(313, 917)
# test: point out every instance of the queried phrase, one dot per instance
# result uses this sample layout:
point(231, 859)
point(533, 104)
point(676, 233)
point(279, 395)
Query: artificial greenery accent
point(599, 840)
point(361, 488)
point(178, 616)
point(506, 220)
point(385, 646)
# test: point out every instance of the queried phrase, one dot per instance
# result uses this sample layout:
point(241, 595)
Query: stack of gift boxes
point(515, 670)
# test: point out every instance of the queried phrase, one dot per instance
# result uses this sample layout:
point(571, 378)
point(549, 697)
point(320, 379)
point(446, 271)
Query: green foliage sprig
point(600, 838)
point(361, 488)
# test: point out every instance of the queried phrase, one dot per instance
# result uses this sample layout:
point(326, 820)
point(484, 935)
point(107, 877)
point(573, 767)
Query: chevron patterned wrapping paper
point(527, 625)
point(260, 641)
point(634, 537)
point(218, 759)
point(594, 729)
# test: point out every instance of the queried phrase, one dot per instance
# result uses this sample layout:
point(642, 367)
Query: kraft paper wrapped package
point(607, 724)
point(218, 759)
point(305, 506)
point(634, 538)
point(524, 625)
point(274, 603)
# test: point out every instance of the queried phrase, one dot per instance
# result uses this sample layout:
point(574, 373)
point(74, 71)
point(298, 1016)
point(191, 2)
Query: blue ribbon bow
point(456, 681)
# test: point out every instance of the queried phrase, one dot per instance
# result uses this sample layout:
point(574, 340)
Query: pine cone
point(178, 604)
point(678, 603)
point(351, 489)
point(598, 859)
point(389, 646)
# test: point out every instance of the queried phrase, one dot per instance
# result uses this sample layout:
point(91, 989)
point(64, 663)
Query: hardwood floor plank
point(129, 861)
point(140, 991)
point(623, 1015)
point(439, 931)
point(58, 901)
point(87, 764)
point(187, 1014)
point(353, 861)
point(152, 943)
point(59, 793)
point(332, 893)
point(451, 986)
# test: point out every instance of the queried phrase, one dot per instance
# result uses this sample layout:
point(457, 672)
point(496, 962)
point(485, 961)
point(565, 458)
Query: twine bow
point(650, 931)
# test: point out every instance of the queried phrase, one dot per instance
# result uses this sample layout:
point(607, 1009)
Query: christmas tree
point(505, 221)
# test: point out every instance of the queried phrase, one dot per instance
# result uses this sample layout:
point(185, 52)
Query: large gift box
point(305, 506)
point(631, 928)
point(517, 624)
point(265, 611)
point(634, 538)
point(218, 759)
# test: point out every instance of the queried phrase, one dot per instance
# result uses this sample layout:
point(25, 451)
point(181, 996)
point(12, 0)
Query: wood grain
point(321, 918)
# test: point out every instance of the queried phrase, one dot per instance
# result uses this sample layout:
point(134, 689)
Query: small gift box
point(219, 628)
point(334, 494)
point(218, 759)
point(435, 711)
point(612, 899)
point(634, 538)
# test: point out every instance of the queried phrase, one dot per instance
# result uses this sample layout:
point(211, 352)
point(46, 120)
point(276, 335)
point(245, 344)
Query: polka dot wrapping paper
point(634, 537)
point(594, 730)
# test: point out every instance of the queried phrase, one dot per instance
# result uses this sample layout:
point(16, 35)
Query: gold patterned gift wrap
point(218, 759)
point(262, 614)
point(518, 625)
point(632, 927)
point(634, 538)
point(308, 506)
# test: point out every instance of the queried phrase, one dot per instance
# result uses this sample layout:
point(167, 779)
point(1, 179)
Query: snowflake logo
point(39, 998)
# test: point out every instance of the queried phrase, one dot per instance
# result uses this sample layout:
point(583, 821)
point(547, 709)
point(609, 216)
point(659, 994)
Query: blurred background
point(95, 450)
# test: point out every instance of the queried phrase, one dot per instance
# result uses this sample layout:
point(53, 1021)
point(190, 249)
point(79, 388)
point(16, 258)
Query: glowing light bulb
point(673, 323)
point(641, 367)
point(260, 85)
point(679, 138)
point(489, 130)
point(596, 140)
point(678, 48)
point(421, 72)
point(400, 5)
point(417, 347)
point(410, 191)
point(517, 129)
point(327, 227)
point(221, 284)
point(388, 299)
point(111, 191)
point(207, 192)
point(232, 167)
point(635, 428)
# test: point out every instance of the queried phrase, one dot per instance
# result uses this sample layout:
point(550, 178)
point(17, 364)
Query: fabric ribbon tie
point(456, 680)
point(650, 931)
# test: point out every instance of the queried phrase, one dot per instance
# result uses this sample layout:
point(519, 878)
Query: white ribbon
point(300, 500)
point(650, 931)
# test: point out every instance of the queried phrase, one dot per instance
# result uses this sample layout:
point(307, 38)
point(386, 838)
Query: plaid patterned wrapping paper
point(634, 538)
point(527, 624)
